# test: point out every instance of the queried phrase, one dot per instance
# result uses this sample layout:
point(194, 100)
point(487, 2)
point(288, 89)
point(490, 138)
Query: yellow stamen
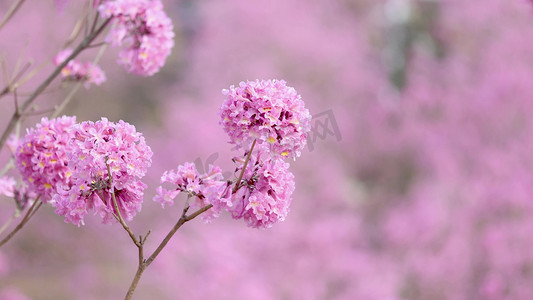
point(271, 140)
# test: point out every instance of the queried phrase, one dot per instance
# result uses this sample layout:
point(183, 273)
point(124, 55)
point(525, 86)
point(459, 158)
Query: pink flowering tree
point(83, 168)
point(421, 191)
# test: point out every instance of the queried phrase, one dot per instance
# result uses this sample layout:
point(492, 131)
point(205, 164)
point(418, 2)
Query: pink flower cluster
point(271, 114)
point(77, 71)
point(68, 165)
point(264, 195)
point(267, 111)
point(205, 189)
point(99, 149)
point(145, 31)
point(42, 156)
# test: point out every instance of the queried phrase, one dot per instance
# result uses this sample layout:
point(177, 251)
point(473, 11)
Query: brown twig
point(95, 21)
point(13, 83)
point(10, 164)
point(117, 214)
point(30, 74)
point(97, 45)
point(61, 107)
point(12, 10)
point(39, 112)
point(238, 183)
point(31, 211)
point(75, 32)
point(144, 263)
point(15, 215)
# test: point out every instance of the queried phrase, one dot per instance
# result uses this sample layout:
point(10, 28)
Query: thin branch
point(30, 74)
point(184, 219)
point(12, 10)
point(136, 278)
point(39, 112)
point(97, 45)
point(145, 237)
point(16, 102)
point(47, 91)
point(34, 211)
point(75, 32)
point(198, 212)
point(95, 21)
point(10, 164)
point(20, 59)
point(143, 264)
point(15, 215)
point(17, 80)
point(70, 95)
point(31, 211)
point(117, 215)
point(13, 83)
point(238, 183)
point(7, 80)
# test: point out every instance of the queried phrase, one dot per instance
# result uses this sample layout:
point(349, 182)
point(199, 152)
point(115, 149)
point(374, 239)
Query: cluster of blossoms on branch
point(78, 167)
point(144, 31)
point(269, 120)
point(140, 27)
point(204, 189)
point(75, 70)
point(107, 161)
point(269, 112)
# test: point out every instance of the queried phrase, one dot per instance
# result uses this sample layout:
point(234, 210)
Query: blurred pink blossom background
point(417, 181)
